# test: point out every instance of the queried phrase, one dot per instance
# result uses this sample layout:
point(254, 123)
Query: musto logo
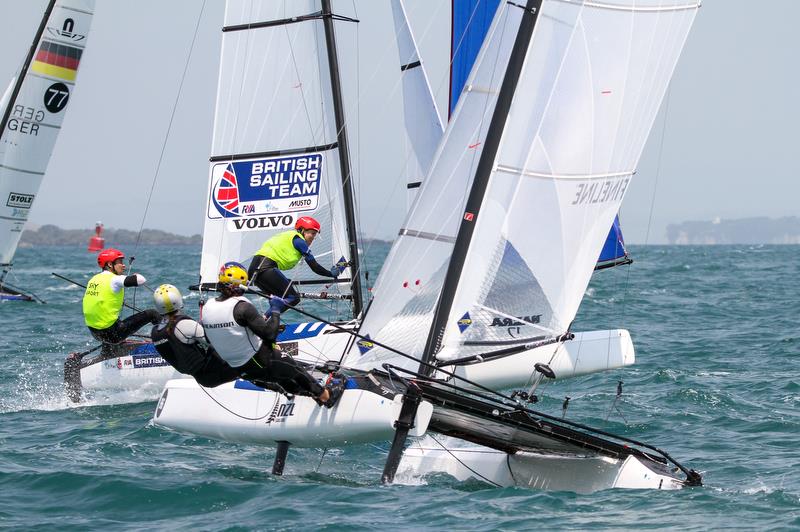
point(261, 193)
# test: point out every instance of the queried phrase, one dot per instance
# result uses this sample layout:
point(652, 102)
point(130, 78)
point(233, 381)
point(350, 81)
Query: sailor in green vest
point(282, 252)
point(102, 301)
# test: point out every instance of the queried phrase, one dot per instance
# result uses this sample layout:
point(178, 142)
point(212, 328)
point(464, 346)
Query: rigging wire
point(169, 126)
point(269, 412)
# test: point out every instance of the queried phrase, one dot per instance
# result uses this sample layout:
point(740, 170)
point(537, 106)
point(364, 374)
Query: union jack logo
point(226, 195)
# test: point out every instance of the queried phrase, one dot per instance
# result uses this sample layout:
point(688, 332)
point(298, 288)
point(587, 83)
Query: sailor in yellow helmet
point(102, 301)
point(241, 336)
point(281, 253)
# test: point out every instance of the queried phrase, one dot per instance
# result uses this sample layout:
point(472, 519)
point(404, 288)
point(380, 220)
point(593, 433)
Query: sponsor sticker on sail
point(263, 193)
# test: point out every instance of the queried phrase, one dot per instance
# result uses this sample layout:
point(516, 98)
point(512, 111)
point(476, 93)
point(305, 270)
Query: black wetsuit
point(270, 365)
point(121, 329)
point(205, 366)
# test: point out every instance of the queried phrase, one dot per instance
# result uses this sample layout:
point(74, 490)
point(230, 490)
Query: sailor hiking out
point(281, 253)
point(105, 293)
point(242, 337)
point(181, 341)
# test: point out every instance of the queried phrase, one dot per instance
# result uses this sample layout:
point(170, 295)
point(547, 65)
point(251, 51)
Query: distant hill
point(760, 230)
point(51, 235)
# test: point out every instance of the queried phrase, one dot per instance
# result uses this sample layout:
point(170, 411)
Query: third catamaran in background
point(485, 278)
point(33, 109)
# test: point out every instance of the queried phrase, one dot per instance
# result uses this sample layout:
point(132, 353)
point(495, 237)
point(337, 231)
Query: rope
point(169, 128)
point(271, 410)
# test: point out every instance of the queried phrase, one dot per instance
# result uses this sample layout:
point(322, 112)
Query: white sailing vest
point(234, 343)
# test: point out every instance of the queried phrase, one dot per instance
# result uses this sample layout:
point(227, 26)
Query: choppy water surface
point(716, 384)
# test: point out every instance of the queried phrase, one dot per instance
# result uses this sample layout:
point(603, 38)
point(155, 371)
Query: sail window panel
point(405, 296)
point(274, 91)
point(530, 259)
point(255, 11)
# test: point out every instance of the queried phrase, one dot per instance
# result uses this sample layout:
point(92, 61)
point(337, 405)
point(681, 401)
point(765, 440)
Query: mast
point(480, 183)
point(344, 154)
point(412, 398)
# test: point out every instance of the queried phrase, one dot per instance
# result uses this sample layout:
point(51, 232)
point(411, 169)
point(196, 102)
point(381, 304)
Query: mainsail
point(33, 111)
point(471, 20)
point(500, 246)
point(280, 146)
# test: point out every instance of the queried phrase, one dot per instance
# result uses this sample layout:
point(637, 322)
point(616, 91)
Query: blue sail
point(471, 20)
point(614, 252)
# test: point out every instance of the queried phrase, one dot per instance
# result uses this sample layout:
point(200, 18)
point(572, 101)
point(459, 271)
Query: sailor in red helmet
point(281, 253)
point(102, 301)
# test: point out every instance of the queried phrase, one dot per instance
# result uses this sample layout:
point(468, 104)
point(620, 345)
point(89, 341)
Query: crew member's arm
point(248, 316)
point(301, 246)
point(120, 281)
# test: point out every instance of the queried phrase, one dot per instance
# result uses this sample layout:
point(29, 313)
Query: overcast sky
point(724, 144)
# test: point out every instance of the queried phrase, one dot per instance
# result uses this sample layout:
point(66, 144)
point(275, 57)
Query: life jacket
point(186, 358)
point(281, 249)
point(234, 343)
point(101, 305)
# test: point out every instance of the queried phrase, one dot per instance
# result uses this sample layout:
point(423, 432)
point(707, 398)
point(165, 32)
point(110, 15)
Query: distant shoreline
point(51, 235)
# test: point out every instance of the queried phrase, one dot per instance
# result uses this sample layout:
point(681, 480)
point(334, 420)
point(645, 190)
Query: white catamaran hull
point(242, 412)
point(549, 471)
point(316, 342)
point(588, 352)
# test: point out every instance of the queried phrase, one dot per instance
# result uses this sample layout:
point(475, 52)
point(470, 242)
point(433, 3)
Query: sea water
point(716, 384)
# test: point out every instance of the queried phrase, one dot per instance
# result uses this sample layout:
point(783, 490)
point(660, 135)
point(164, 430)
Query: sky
point(723, 145)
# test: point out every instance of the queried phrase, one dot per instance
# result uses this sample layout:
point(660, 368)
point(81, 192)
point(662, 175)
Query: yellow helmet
point(233, 273)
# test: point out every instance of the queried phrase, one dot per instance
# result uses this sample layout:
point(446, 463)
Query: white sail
point(32, 118)
point(593, 77)
point(275, 155)
point(423, 125)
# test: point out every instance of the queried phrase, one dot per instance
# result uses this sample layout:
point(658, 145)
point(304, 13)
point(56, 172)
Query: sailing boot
point(335, 390)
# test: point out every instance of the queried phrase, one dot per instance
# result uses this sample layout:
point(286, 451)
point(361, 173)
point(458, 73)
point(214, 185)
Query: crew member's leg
point(281, 287)
point(215, 371)
point(272, 366)
point(121, 329)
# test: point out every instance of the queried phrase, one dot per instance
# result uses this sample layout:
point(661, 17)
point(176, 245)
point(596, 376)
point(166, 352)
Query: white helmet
point(167, 299)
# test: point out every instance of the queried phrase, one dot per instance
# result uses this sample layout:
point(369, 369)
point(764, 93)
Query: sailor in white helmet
point(181, 341)
point(246, 341)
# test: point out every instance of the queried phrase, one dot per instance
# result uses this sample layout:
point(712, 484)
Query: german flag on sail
point(57, 60)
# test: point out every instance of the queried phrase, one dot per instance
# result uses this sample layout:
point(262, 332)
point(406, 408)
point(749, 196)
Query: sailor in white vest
point(242, 337)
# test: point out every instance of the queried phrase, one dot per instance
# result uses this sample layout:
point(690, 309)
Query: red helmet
point(108, 255)
point(307, 222)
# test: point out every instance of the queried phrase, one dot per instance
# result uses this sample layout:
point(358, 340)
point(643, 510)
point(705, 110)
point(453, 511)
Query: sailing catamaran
point(485, 278)
point(237, 221)
point(32, 111)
